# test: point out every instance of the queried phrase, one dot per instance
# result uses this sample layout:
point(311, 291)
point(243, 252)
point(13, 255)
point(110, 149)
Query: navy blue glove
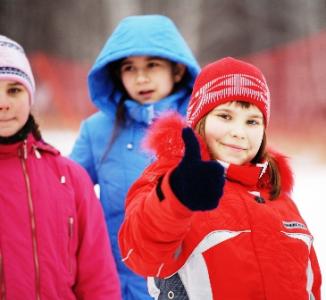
point(196, 183)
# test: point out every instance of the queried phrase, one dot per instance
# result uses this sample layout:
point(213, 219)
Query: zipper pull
point(70, 226)
point(63, 179)
point(37, 153)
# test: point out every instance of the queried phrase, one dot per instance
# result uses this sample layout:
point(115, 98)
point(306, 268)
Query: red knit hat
point(225, 80)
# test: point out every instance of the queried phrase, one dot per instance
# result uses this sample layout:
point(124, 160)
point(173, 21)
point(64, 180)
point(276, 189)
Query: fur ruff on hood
point(164, 140)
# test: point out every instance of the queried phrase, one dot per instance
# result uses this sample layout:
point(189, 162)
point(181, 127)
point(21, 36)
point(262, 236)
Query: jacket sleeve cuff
point(168, 203)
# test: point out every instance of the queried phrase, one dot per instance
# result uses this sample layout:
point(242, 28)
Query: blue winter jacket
point(114, 172)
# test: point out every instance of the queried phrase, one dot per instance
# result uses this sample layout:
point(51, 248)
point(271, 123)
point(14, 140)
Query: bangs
point(242, 104)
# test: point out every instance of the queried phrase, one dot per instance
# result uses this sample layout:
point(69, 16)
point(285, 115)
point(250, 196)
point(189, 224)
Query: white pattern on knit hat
point(226, 80)
point(227, 86)
point(15, 66)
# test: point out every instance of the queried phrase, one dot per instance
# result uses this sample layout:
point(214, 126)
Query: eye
point(254, 122)
point(224, 116)
point(153, 64)
point(14, 90)
point(127, 68)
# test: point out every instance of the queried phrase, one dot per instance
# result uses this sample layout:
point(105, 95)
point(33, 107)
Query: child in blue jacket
point(144, 69)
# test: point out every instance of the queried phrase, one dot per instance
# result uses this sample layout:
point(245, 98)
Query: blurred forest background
point(285, 38)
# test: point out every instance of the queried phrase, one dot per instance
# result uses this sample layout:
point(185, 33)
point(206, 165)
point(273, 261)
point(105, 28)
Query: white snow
point(310, 196)
point(309, 191)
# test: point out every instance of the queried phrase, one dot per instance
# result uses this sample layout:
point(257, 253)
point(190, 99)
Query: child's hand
point(197, 184)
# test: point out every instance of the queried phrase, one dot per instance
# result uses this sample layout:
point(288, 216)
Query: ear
point(178, 72)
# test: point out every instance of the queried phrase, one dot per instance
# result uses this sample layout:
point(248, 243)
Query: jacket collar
point(29, 146)
point(147, 113)
point(248, 175)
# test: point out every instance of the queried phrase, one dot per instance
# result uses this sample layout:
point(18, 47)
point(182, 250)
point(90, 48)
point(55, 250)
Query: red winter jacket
point(53, 239)
point(247, 248)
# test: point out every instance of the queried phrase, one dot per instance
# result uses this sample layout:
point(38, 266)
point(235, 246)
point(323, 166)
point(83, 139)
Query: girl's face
point(234, 132)
point(14, 107)
point(149, 79)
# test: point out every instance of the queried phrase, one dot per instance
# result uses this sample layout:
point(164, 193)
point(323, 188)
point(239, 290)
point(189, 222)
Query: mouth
point(146, 93)
point(6, 120)
point(233, 147)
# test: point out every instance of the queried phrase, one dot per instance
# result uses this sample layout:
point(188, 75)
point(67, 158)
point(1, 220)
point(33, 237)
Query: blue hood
point(150, 35)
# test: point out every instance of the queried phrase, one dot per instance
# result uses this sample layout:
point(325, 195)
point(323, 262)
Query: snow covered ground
point(309, 191)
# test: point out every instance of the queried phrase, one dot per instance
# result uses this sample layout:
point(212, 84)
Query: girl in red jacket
point(212, 217)
point(53, 238)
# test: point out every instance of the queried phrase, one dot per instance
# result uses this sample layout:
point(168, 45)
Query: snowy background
point(309, 191)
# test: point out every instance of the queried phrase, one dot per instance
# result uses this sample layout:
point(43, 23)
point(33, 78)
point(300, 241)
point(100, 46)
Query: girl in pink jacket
point(212, 217)
point(53, 238)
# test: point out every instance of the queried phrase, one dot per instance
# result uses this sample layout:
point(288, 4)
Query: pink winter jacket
point(53, 239)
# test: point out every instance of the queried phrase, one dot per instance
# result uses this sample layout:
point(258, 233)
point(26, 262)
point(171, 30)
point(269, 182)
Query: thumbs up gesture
point(196, 183)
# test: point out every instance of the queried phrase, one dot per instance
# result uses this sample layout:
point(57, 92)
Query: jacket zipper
point(70, 236)
point(2, 280)
point(32, 222)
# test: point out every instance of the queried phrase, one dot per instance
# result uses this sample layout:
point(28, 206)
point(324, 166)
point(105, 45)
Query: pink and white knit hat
point(225, 80)
point(14, 65)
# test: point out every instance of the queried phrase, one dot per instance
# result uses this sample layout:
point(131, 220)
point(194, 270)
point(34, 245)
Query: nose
point(4, 104)
point(142, 77)
point(237, 131)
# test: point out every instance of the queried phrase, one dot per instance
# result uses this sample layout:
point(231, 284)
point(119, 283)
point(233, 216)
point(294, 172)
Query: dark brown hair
point(36, 129)
point(120, 115)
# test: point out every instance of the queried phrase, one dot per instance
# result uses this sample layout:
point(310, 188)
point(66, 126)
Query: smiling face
point(14, 107)
point(234, 132)
point(149, 79)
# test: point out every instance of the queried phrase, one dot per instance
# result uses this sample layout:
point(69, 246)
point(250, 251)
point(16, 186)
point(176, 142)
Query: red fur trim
point(285, 170)
point(164, 138)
